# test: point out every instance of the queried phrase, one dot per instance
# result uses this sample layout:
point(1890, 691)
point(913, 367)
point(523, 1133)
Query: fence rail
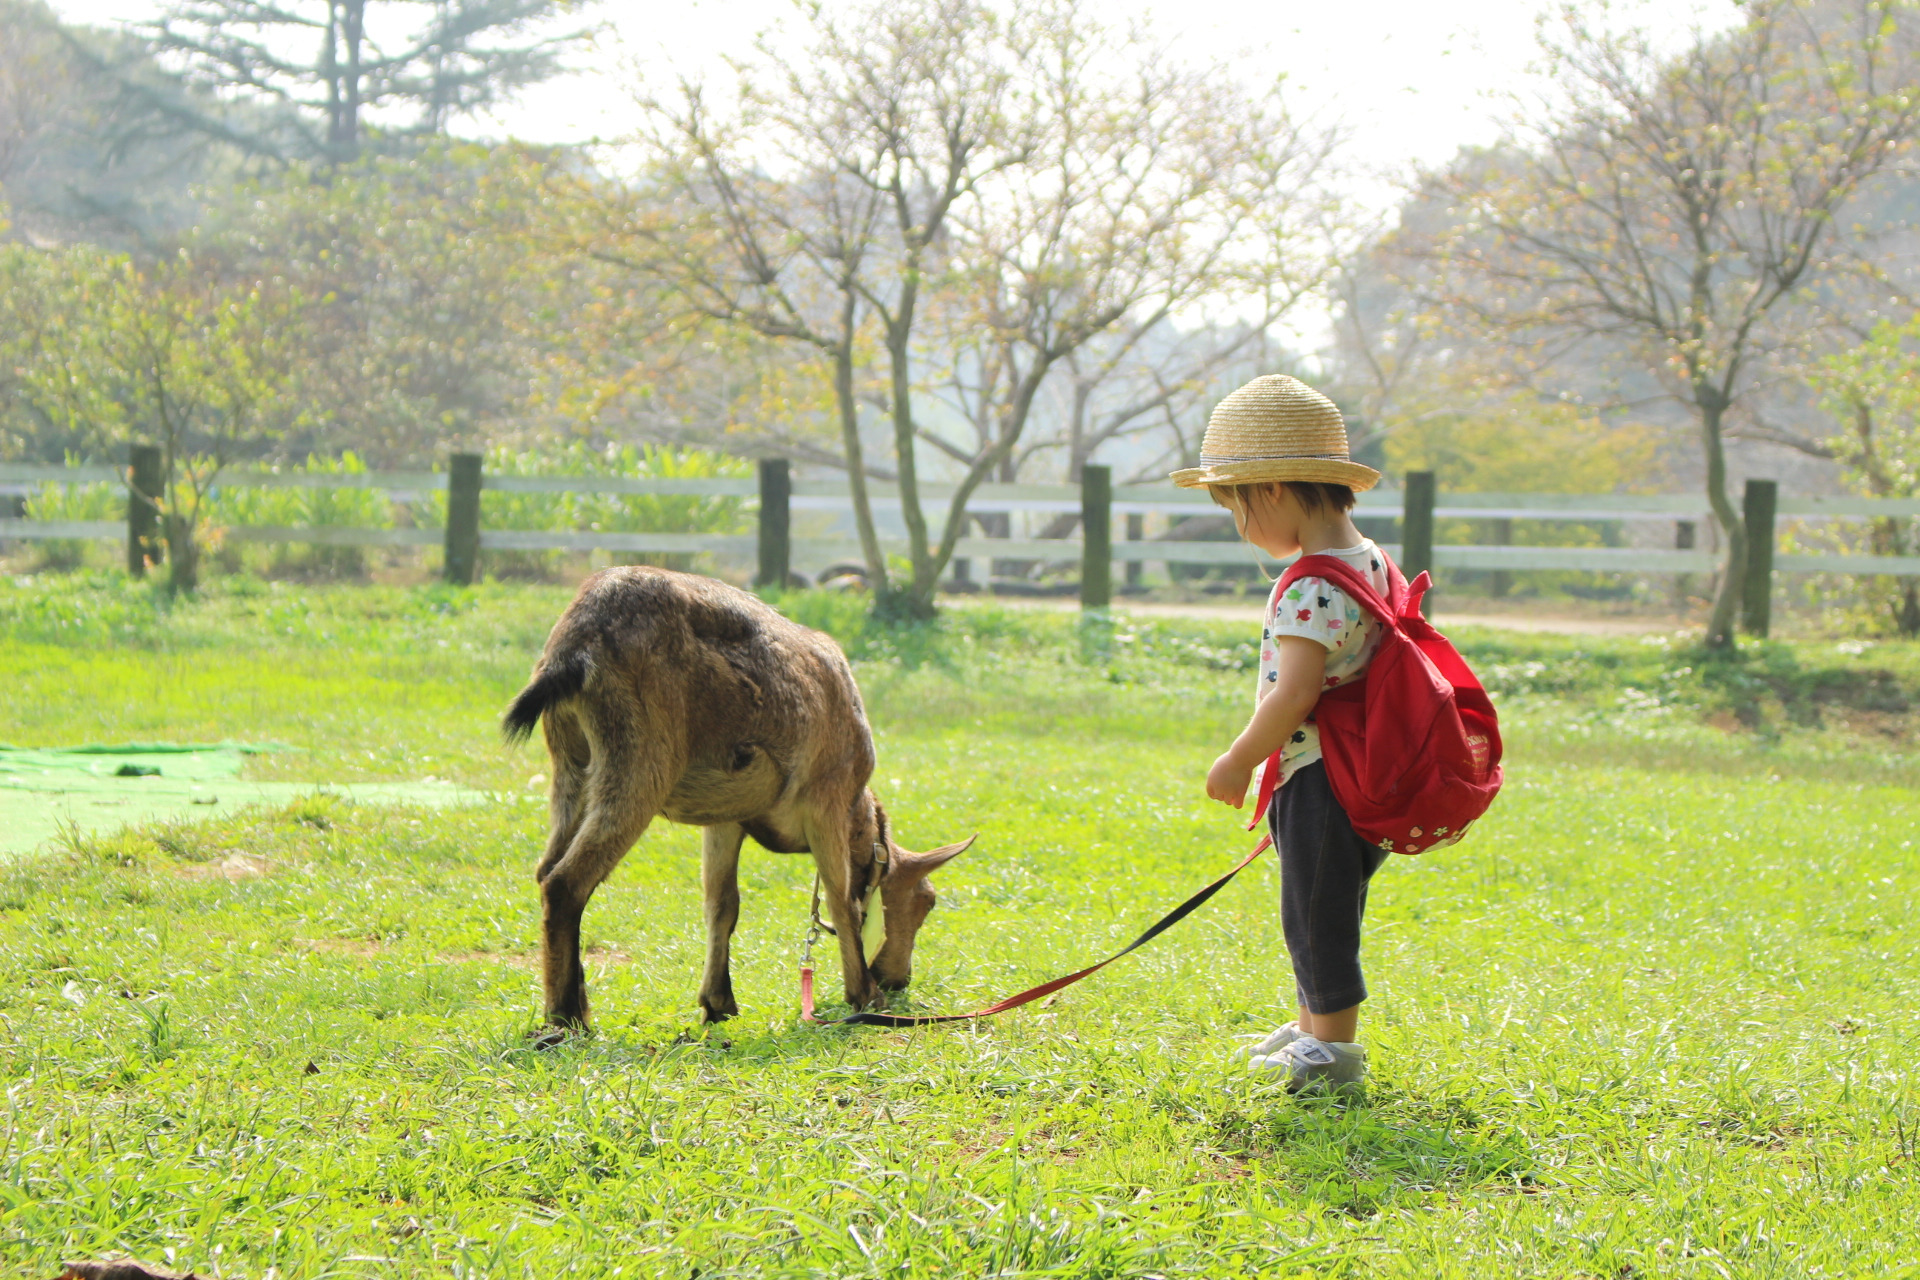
point(1096, 500)
point(833, 495)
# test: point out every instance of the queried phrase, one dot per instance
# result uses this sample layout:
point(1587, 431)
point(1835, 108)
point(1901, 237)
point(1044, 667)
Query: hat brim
point(1356, 476)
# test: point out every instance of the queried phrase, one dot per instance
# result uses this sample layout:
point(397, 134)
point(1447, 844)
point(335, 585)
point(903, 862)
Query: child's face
point(1269, 517)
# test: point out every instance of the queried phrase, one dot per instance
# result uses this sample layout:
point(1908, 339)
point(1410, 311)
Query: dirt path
point(1248, 610)
point(1562, 626)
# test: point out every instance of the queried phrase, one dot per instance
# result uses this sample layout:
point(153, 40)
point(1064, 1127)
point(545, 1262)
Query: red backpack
point(1413, 746)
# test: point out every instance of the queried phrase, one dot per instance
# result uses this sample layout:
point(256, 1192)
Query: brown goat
point(676, 695)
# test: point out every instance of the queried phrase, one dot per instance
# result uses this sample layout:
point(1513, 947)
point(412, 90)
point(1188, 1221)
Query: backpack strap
point(1401, 599)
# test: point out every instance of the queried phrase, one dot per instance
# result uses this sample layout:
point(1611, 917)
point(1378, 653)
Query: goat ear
point(908, 865)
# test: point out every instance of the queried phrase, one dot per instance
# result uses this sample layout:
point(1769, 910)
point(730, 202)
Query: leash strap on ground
point(1160, 926)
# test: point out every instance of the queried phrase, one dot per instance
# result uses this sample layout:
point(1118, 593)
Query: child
point(1276, 456)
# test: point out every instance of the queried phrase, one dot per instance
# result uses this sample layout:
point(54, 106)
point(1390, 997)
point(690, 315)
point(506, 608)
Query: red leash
point(1160, 926)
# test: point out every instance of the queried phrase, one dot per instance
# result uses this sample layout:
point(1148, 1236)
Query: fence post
point(463, 518)
point(1136, 530)
point(1096, 537)
point(1685, 533)
point(1502, 581)
point(144, 482)
point(776, 540)
point(1416, 525)
point(1763, 498)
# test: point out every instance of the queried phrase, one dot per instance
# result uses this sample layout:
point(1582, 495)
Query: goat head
point(905, 900)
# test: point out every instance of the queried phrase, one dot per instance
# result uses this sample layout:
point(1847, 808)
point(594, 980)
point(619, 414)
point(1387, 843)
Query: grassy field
point(1655, 1018)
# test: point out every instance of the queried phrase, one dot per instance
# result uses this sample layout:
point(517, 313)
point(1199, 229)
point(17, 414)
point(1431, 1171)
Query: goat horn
point(908, 865)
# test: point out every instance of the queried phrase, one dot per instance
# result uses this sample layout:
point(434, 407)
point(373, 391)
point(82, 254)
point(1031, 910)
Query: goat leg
point(603, 839)
point(565, 979)
point(833, 856)
point(719, 878)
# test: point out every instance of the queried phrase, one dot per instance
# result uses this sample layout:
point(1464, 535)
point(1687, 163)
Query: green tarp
point(93, 788)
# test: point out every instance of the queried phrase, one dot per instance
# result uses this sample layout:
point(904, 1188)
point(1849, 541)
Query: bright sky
point(1412, 80)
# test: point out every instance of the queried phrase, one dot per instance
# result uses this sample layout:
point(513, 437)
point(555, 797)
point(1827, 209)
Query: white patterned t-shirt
point(1318, 610)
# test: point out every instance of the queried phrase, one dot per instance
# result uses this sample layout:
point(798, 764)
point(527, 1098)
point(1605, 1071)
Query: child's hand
point(1228, 781)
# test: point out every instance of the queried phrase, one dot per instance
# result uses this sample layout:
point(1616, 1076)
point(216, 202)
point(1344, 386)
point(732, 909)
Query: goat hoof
point(718, 1010)
point(552, 1037)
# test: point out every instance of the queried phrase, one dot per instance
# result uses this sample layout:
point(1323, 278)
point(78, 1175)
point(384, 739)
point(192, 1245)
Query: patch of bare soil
point(1559, 625)
point(237, 866)
point(512, 959)
point(597, 954)
point(359, 948)
point(1563, 618)
point(371, 949)
point(1878, 727)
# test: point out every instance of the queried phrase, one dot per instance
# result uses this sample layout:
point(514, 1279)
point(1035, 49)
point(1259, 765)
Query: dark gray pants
point(1324, 869)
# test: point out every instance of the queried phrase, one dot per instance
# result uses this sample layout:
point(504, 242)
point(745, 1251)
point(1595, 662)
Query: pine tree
point(336, 67)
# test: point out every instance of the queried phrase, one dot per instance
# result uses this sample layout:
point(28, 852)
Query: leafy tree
point(1684, 206)
point(1487, 439)
point(430, 311)
point(1155, 378)
point(90, 143)
point(169, 352)
point(333, 68)
point(1873, 393)
point(1479, 434)
point(50, 304)
point(937, 187)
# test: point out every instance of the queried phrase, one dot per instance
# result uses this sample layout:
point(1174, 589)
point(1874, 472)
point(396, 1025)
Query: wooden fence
point(1096, 500)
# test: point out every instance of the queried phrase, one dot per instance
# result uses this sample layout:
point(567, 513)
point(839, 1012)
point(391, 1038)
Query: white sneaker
point(1312, 1065)
point(1272, 1042)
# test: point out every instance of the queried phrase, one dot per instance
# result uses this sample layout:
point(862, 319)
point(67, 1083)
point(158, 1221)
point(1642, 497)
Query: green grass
point(1655, 1018)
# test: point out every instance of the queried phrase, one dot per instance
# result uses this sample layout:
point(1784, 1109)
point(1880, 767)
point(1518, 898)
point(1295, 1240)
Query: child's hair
point(1313, 496)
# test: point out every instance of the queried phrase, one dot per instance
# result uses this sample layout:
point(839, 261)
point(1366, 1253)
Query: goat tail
point(556, 680)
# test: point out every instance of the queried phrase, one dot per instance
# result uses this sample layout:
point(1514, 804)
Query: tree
point(1124, 214)
point(1144, 377)
point(937, 186)
point(883, 123)
point(1155, 378)
point(430, 308)
point(414, 65)
point(47, 301)
point(88, 152)
point(1473, 413)
point(1685, 206)
point(1873, 393)
point(169, 352)
point(1082, 268)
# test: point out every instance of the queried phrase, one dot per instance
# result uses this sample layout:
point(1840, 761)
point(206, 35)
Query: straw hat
point(1276, 428)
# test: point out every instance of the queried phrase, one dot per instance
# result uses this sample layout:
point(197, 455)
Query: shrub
point(607, 512)
point(57, 501)
point(255, 506)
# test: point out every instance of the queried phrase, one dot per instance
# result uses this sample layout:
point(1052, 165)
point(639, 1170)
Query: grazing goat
point(676, 695)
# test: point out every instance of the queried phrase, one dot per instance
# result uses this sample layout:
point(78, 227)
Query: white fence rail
point(774, 544)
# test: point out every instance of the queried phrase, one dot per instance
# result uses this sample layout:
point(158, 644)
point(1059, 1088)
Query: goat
point(676, 695)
